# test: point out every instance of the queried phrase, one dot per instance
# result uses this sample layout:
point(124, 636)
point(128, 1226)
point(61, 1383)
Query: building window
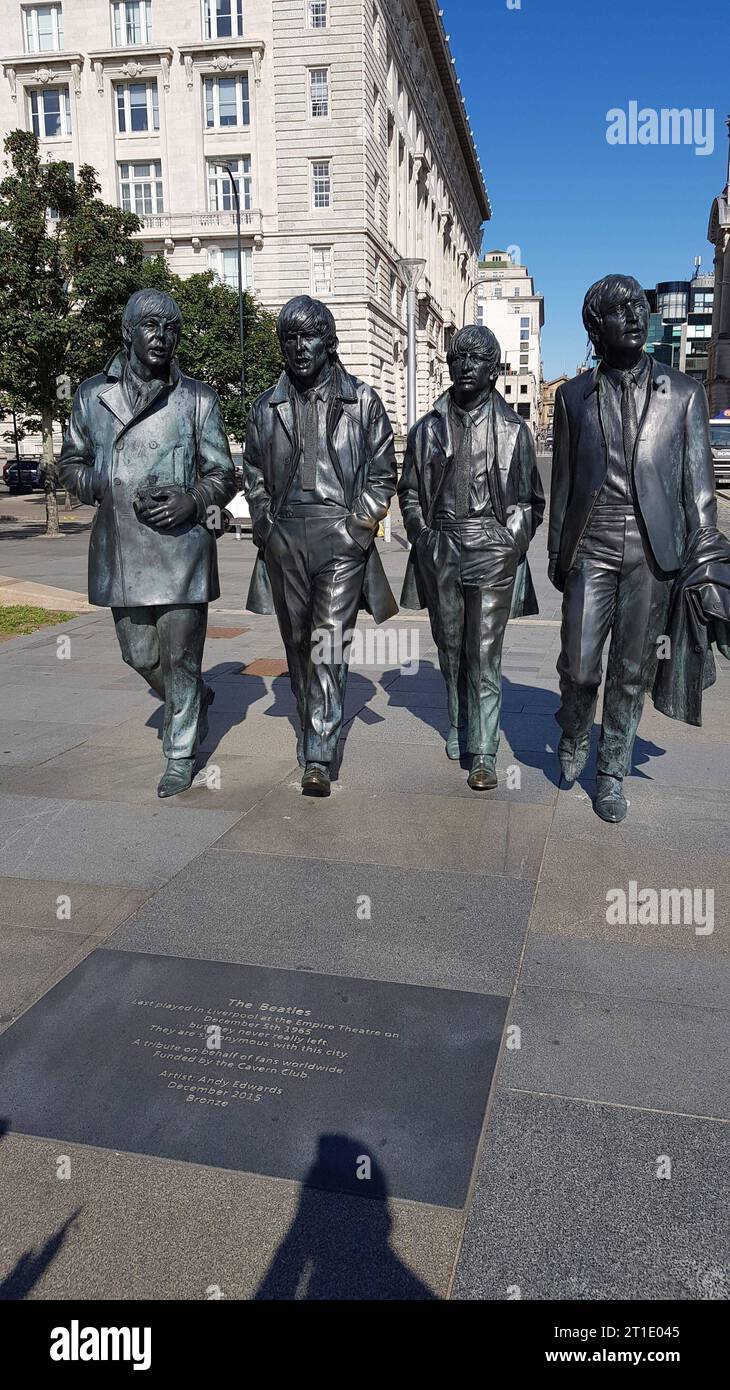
point(319, 92)
point(141, 187)
point(377, 200)
point(321, 184)
point(223, 261)
point(524, 360)
point(137, 107)
point(321, 270)
point(317, 14)
point(220, 192)
point(131, 22)
point(523, 390)
point(377, 276)
point(227, 102)
point(222, 19)
point(497, 291)
point(43, 28)
point(525, 321)
point(480, 314)
point(51, 113)
point(524, 335)
point(376, 113)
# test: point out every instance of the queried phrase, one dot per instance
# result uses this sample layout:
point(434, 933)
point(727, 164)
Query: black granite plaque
point(350, 1085)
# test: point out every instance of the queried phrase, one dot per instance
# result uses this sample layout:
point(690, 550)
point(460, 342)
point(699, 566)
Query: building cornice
point(39, 69)
point(221, 55)
point(133, 60)
point(432, 20)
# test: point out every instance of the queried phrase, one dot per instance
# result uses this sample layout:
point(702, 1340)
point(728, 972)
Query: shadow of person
point(234, 696)
point(359, 693)
point(31, 1265)
point(338, 1245)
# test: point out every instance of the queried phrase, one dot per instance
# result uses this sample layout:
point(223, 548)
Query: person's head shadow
point(338, 1246)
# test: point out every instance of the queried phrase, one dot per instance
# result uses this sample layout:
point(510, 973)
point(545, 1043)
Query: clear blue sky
point(538, 82)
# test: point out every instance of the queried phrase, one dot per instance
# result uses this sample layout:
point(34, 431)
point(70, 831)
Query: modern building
point(507, 303)
point(680, 325)
point(341, 122)
point(718, 233)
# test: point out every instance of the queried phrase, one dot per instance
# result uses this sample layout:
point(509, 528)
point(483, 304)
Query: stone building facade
point(718, 233)
point(342, 122)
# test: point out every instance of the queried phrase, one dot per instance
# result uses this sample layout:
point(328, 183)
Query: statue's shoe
point(205, 704)
point(452, 744)
point(573, 755)
point(177, 776)
point(483, 775)
point(610, 803)
point(316, 780)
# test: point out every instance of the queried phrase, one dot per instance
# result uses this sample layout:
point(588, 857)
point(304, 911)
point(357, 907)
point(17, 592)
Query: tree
point(64, 281)
point(209, 345)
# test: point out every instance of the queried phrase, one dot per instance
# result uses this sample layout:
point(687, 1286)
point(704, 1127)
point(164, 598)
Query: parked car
point(720, 443)
point(27, 479)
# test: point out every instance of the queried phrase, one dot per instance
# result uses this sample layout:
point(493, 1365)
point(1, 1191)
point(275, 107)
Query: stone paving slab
point(625, 972)
point(31, 962)
point(567, 1205)
point(102, 842)
point(443, 929)
point(127, 1227)
point(660, 820)
point(92, 909)
point(575, 880)
point(406, 831)
point(627, 1051)
point(88, 773)
point(24, 743)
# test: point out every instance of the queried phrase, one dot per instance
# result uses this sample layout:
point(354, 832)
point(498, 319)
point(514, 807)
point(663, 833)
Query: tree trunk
point(49, 473)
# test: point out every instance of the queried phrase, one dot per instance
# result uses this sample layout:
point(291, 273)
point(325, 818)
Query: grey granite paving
point(442, 929)
point(604, 1047)
point(568, 1205)
point(125, 1227)
point(102, 842)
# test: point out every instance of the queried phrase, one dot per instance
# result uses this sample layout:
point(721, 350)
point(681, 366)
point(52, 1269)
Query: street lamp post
point(234, 189)
point(470, 290)
point(411, 269)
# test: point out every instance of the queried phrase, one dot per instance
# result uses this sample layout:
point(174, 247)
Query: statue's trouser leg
point(337, 566)
point(439, 565)
point(288, 570)
point(181, 629)
point(316, 571)
point(139, 644)
point(165, 645)
point(642, 604)
point(488, 568)
point(589, 603)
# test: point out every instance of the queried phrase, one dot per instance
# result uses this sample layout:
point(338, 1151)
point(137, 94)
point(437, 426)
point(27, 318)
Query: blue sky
point(538, 82)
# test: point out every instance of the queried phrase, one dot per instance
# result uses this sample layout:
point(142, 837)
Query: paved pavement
point(599, 1169)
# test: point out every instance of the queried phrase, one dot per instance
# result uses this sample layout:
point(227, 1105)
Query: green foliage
point(209, 345)
point(18, 620)
point(63, 284)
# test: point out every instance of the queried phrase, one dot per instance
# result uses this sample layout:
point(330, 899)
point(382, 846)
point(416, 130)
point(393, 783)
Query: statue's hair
point(303, 313)
point(144, 302)
point(477, 335)
point(602, 297)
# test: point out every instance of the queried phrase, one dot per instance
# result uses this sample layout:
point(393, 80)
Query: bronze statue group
point(633, 541)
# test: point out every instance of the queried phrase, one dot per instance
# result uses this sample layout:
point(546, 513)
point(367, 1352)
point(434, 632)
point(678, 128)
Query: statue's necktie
point(311, 443)
point(629, 420)
point(463, 470)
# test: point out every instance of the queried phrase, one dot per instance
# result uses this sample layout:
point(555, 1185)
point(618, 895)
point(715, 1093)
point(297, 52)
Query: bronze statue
point(632, 481)
point(320, 473)
point(471, 501)
point(149, 447)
